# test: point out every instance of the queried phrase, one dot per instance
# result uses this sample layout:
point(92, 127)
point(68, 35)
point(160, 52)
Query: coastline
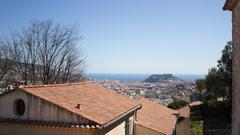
point(136, 77)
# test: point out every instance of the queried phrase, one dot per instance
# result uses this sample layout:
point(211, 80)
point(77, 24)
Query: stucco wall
point(36, 109)
point(131, 125)
point(140, 130)
point(20, 130)
point(120, 129)
point(183, 127)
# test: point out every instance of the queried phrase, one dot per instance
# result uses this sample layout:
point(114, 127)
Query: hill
point(160, 77)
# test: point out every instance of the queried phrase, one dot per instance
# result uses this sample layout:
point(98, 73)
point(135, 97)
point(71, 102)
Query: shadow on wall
point(183, 127)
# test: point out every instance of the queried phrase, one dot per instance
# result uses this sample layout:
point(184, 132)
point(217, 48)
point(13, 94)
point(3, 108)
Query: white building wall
point(35, 109)
point(120, 129)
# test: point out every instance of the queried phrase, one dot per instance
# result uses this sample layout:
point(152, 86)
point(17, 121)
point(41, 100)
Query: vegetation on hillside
point(214, 117)
point(218, 82)
point(178, 104)
point(160, 77)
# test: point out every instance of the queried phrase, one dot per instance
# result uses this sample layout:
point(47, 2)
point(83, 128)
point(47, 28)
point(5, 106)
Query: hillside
point(160, 77)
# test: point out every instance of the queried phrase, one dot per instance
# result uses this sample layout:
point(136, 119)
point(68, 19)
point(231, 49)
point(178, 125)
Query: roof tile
point(156, 117)
point(96, 103)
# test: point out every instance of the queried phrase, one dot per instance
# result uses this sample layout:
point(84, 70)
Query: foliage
point(215, 83)
point(197, 127)
point(214, 108)
point(177, 104)
point(210, 116)
point(213, 103)
point(209, 96)
point(196, 121)
point(200, 84)
point(225, 63)
point(196, 114)
point(218, 82)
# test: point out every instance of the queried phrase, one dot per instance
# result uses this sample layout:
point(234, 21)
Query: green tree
point(200, 85)
point(225, 63)
point(219, 79)
point(225, 67)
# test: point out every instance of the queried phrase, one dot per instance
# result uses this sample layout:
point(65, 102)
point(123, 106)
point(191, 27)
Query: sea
point(137, 77)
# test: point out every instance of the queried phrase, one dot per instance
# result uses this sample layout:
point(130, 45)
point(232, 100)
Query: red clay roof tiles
point(96, 103)
point(7, 121)
point(156, 117)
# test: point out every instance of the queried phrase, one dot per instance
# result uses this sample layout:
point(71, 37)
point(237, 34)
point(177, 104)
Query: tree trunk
point(236, 71)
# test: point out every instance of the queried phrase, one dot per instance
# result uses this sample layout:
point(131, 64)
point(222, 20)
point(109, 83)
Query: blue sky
point(134, 36)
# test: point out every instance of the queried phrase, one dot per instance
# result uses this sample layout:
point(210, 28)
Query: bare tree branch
point(47, 53)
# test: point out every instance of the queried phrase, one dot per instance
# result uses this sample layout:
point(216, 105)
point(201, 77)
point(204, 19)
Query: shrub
point(214, 108)
point(209, 96)
point(213, 103)
point(197, 127)
point(177, 104)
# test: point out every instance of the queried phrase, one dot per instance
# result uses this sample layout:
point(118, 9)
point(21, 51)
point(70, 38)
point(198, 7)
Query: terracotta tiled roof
point(184, 112)
point(156, 117)
point(95, 103)
point(196, 103)
point(7, 121)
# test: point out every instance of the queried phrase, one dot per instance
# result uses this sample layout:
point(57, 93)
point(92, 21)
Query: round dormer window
point(19, 107)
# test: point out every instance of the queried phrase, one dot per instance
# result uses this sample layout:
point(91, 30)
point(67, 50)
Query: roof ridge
point(55, 85)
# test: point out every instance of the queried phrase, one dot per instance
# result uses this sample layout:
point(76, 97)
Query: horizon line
point(146, 73)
